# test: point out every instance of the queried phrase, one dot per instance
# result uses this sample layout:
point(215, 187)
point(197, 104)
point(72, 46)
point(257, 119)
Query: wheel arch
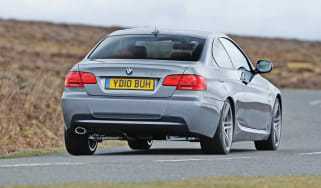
point(232, 102)
point(278, 97)
point(229, 98)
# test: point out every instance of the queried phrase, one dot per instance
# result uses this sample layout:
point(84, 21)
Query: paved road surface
point(299, 153)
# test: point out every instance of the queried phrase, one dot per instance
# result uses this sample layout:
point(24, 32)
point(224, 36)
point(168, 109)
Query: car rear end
point(137, 86)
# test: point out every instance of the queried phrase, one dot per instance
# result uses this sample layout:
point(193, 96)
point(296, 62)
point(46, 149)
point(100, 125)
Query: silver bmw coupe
point(146, 84)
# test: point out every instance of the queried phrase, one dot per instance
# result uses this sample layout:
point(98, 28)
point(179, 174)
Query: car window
point(160, 47)
point(220, 55)
point(237, 57)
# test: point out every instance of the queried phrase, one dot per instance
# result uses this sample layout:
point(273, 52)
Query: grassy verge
point(222, 182)
point(48, 151)
point(33, 152)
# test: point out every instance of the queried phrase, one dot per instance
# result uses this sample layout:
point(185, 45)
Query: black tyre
point(273, 141)
point(142, 144)
point(222, 141)
point(79, 144)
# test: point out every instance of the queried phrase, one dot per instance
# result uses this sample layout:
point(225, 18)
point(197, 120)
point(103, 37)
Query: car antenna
point(156, 31)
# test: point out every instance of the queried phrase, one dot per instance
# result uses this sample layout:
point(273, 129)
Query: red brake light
point(73, 79)
point(172, 80)
point(192, 82)
point(186, 82)
point(78, 79)
point(88, 78)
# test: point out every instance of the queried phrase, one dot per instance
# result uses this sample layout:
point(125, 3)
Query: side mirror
point(263, 66)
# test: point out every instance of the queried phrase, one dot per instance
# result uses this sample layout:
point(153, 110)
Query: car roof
point(166, 31)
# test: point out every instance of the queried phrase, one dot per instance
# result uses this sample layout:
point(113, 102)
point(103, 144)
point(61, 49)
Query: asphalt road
point(299, 153)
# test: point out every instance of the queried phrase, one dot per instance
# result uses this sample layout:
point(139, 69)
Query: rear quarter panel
point(221, 85)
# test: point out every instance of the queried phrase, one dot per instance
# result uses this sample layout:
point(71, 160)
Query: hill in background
point(35, 57)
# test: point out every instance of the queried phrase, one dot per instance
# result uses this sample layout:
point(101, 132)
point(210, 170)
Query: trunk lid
point(114, 70)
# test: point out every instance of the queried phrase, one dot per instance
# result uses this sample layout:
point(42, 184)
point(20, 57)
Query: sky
point(268, 18)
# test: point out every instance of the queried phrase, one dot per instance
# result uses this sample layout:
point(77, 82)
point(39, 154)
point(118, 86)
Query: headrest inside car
point(122, 54)
point(183, 46)
point(139, 52)
point(183, 56)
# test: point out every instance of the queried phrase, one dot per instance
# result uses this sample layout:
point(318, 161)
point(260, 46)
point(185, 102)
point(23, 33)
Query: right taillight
point(186, 82)
point(78, 79)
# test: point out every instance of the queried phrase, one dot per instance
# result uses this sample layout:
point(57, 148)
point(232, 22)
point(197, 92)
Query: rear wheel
point(273, 142)
point(79, 144)
point(222, 141)
point(141, 144)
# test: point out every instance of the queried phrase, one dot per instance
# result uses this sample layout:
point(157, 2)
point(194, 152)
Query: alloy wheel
point(277, 121)
point(228, 126)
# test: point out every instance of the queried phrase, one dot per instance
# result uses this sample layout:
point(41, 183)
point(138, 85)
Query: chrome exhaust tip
point(80, 130)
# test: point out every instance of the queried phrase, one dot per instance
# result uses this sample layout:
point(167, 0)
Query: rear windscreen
point(160, 47)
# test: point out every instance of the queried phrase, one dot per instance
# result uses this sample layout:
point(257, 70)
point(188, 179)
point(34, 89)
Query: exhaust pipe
point(80, 130)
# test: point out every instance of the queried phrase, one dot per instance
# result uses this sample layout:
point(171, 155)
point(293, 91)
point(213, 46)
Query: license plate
point(129, 83)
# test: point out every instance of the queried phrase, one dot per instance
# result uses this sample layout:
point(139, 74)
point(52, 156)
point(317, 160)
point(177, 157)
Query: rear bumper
point(158, 128)
point(174, 116)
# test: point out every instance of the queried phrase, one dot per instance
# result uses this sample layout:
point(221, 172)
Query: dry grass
point(35, 57)
point(53, 150)
point(222, 182)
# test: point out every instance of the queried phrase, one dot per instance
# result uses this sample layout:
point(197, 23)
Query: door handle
point(243, 78)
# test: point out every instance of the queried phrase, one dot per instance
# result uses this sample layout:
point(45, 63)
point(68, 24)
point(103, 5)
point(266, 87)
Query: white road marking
point(38, 164)
point(178, 160)
point(312, 153)
point(316, 102)
point(210, 159)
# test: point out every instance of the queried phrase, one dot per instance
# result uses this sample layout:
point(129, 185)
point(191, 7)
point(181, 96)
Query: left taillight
point(88, 78)
point(78, 79)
